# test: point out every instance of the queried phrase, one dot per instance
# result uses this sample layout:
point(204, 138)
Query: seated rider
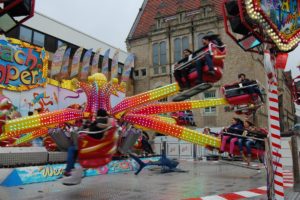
point(183, 73)
point(250, 90)
point(102, 122)
point(208, 41)
point(236, 127)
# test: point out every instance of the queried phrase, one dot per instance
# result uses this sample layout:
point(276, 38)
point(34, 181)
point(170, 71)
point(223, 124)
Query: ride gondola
point(189, 66)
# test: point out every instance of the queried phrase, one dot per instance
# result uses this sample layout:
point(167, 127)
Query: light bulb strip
point(178, 106)
point(146, 97)
point(31, 136)
point(22, 125)
point(153, 123)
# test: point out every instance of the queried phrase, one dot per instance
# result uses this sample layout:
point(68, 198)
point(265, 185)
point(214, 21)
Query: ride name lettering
point(10, 72)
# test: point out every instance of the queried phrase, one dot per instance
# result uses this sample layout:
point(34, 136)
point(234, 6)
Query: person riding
point(101, 123)
point(251, 90)
point(250, 130)
point(248, 127)
point(208, 41)
point(183, 73)
point(236, 127)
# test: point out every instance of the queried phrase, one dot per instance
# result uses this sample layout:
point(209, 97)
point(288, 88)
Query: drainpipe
point(193, 36)
point(170, 53)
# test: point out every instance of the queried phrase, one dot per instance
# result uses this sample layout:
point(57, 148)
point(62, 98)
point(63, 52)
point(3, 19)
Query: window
point(210, 95)
point(156, 70)
point(200, 36)
point(144, 72)
point(120, 68)
point(163, 69)
point(179, 45)
point(185, 43)
point(25, 34)
point(163, 100)
point(177, 49)
point(136, 73)
point(159, 54)
point(38, 39)
point(155, 54)
point(163, 53)
point(60, 43)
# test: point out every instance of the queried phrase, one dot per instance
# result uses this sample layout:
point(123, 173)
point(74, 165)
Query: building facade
point(164, 28)
point(45, 32)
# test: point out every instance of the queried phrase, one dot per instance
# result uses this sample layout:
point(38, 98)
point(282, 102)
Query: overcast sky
point(107, 20)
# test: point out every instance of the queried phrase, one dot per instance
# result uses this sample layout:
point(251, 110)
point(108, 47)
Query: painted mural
point(22, 66)
point(284, 14)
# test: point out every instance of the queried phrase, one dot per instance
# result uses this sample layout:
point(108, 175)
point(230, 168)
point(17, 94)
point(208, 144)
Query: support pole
point(274, 128)
point(295, 157)
point(275, 138)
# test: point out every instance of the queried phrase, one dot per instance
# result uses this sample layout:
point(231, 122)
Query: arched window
point(163, 53)
point(200, 36)
point(185, 43)
point(155, 54)
point(177, 49)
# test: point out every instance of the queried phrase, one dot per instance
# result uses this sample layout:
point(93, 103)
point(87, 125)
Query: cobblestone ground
point(202, 179)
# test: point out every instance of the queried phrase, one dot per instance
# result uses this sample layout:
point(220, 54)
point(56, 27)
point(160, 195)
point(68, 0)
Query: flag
point(95, 62)
point(105, 63)
point(85, 65)
point(115, 65)
point(57, 60)
point(128, 65)
point(76, 62)
point(65, 64)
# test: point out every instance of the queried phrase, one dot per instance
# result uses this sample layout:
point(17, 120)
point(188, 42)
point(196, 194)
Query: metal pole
point(295, 157)
point(274, 127)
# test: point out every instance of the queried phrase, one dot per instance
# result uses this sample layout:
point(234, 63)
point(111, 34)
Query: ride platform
point(192, 92)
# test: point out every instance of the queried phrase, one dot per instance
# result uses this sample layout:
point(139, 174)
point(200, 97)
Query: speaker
point(21, 9)
point(232, 8)
point(233, 12)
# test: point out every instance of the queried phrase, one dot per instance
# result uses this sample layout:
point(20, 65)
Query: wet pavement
point(202, 179)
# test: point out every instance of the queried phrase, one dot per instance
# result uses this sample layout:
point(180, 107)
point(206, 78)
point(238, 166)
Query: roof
point(152, 8)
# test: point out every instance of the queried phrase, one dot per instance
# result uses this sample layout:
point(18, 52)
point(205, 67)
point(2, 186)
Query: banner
point(65, 64)
point(128, 65)
point(104, 69)
point(22, 66)
point(115, 65)
point(39, 174)
point(95, 62)
point(76, 62)
point(57, 60)
point(85, 68)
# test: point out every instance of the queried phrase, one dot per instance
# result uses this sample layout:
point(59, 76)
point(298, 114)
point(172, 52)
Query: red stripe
point(274, 117)
point(279, 193)
point(259, 191)
point(273, 100)
point(278, 173)
point(231, 196)
point(278, 183)
point(277, 164)
point(275, 127)
point(276, 145)
point(276, 154)
point(274, 109)
point(274, 92)
point(275, 136)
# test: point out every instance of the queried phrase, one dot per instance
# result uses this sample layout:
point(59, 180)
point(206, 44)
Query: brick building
point(163, 28)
